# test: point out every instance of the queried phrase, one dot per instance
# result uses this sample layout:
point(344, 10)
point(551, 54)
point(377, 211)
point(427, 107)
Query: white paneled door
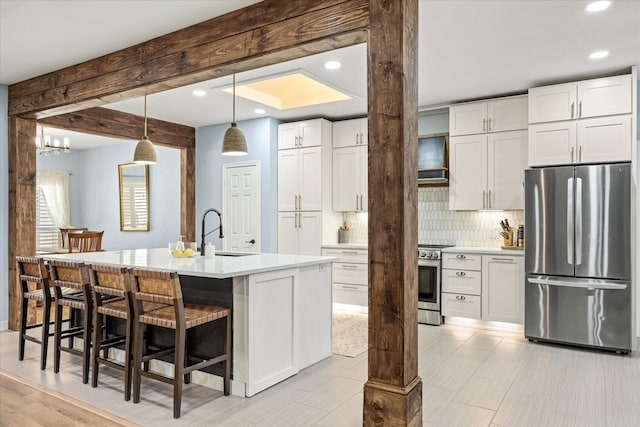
point(241, 209)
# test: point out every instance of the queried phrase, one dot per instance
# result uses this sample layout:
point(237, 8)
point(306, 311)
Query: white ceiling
point(467, 50)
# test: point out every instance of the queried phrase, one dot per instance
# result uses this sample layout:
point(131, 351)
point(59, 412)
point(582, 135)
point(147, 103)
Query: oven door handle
point(428, 263)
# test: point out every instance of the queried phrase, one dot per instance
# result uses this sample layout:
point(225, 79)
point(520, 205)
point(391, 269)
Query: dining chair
point(64, 235)
point(87, 241)
point(164, 287)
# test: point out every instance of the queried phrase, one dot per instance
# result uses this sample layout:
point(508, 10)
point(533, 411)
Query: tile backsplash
point(438, 225)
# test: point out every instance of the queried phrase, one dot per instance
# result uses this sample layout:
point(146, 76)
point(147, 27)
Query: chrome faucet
point(221, 236)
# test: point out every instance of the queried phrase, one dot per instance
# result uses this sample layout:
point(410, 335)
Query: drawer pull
point(461, 256)
point(460, 273)
point(460, 297)
point(350, 252)
point(350, 287)
point(347, 266)
point(503, 259)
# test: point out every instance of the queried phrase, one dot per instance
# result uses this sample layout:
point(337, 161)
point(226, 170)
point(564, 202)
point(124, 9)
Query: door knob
point(252, 241)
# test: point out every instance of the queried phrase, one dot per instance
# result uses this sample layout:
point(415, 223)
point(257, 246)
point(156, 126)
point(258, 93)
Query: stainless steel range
point(429, 283)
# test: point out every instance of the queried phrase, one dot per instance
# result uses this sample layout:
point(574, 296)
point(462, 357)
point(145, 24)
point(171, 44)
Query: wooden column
point(188, 193)
point(22, 200)
point(393, 392)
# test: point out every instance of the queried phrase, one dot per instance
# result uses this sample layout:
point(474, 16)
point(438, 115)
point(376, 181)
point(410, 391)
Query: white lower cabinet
point(350, 278)
point(483, 286)
point(503, 288)
point(299, 233)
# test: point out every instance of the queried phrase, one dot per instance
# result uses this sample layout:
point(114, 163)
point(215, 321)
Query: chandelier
point(45, 146)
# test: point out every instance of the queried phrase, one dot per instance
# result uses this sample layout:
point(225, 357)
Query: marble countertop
point(364, 246)
point(219, 267)
point(484, 250)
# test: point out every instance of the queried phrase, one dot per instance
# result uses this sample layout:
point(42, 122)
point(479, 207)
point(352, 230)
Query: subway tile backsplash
point(438, 225)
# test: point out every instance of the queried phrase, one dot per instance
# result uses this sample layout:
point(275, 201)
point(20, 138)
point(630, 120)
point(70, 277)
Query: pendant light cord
point(234, 99)
point(145, 117)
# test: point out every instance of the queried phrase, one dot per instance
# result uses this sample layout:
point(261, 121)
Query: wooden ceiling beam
point(116, 124)
point(264, 32)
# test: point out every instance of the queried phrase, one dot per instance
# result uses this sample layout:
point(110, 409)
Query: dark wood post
point(22, 205)
point(393, 392)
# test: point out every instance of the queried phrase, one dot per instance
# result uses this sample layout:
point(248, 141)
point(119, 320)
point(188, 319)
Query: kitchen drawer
point(347, 255)
point(462, 261)
point(462, 281)
point(350, 273)
point(461, 305)
point(350, 294)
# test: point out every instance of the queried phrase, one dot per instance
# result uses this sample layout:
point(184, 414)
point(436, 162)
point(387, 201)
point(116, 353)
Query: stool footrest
point(205, 363)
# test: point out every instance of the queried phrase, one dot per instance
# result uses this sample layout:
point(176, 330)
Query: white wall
point(94, 197)
point(262, 143)
point(4, 208)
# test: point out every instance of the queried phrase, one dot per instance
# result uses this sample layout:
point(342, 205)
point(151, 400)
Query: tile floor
point(470, 378)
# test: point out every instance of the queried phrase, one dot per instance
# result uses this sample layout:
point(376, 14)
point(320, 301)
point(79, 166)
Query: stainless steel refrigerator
point(578, 255)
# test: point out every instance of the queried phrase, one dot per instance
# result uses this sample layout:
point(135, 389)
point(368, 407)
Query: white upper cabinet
point(581, 122)
point(307, 133)
point(468, 172)
point(299, 179)
point(503, 114)
point(350, 183)
point(348, 133)
point(589, 98)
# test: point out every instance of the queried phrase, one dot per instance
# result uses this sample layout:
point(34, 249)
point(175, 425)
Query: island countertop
point(221, 266)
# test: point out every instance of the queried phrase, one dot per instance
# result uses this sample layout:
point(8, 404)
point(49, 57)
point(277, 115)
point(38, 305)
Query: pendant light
point(145, 152)
point(233, 142)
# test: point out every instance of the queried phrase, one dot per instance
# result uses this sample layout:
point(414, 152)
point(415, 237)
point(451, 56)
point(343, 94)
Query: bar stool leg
point(57, 340)
point(187, 377)
point(23, 327)
point(178, 366)
point(227, 363)
point(127, 360)
point(95, 353)
point(137, 360)
point(44, 343)
point(86, 342)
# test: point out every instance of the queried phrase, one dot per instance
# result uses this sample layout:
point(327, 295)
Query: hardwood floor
point(470, 377)
point(24, 403)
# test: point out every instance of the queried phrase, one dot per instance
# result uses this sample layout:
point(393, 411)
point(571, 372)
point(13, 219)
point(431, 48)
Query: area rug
point(350, 334)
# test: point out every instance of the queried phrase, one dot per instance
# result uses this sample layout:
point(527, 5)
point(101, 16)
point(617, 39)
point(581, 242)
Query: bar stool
point(164, 287)
point(112, 297)
point(33, 270)
point(72, 275)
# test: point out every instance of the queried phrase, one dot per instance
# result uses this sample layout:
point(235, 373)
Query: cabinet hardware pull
point(350, 252)
point(357, 208)
point(361, 205)
point(503, 259)
point(580, 153)
point(361, 138)
point(460, 297)
point(572, 109)
point(484, 194)
point(299, 202)
point(347, 266)
point(460, 273)
point(358, 139)
point(489, 200)
point(484, 125)
point(580, 109)
point(350, 287)
point(461, 256)
point(489, 124)
point(572, 153)
point(301, 139)
point(299, 220)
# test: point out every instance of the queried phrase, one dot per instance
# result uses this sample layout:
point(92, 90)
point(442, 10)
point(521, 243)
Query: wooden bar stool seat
point(164, 287)
point(73, 275)
point(112, 297)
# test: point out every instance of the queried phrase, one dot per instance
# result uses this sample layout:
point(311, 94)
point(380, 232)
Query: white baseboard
point(4, 325)
point(484, 324)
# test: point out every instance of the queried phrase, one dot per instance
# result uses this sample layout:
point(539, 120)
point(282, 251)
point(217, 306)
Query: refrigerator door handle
point(578, 283)
point(570, 230)
point(578, 221)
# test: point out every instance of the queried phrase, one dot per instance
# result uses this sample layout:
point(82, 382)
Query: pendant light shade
point(145, 151)
point(234, 142)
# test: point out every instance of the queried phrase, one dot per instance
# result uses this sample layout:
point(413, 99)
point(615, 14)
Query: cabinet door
point(288, 178)
point(552, 103)
point(552, 143)
point(364, 178)
point(507, 153)
point(604, 139)
point(310, 233)
point(310, 179)
point(461, 305)
point(287, 135)
point(502, 288)
point(507, 114)
point(346, 179)
point(310, 132)
point(468, 172)
point(604, 97)
point(468, 119)
point(288, 233)
point(346, 133)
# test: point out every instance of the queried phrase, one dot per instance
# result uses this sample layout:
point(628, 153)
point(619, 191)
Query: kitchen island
point(281, 307)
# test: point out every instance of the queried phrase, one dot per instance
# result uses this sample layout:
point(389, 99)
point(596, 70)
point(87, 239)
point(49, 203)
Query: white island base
point(281, 309)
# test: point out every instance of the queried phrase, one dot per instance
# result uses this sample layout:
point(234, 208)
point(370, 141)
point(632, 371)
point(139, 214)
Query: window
point(46, 232)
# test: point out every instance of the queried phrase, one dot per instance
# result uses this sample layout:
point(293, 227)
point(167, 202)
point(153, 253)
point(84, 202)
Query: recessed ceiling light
point(332, 65)
point(259, 111)
point(598, 6)
point(199, 92)
point(599, 54)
